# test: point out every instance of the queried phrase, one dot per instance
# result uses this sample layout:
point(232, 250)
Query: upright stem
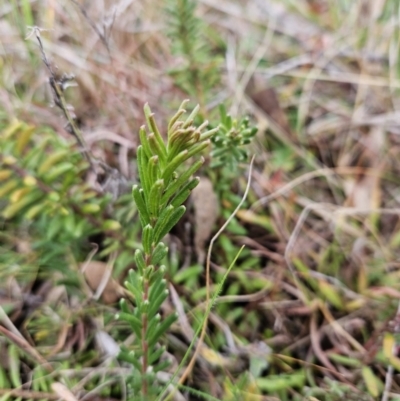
point(145, 345)
point(159, 180)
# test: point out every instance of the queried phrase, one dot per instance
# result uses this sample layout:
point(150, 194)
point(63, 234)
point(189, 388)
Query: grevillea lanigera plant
point(166, 180)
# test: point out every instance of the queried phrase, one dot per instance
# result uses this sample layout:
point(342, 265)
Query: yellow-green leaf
point(90, 208)
point(34, 210)
point(8, 187)
point(18, 194)
point(4, 174)
point(111, 225)
point(374, 385)
point(12, 209)
point(12, 129)
point(329, 292)
point(30, 181)
point(52, 159)
point(388, 345)
point(23, 138)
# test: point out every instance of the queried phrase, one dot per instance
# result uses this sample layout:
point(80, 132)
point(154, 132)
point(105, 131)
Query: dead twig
point(58, 85)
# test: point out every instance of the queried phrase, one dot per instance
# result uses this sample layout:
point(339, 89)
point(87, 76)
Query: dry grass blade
point(25, 346)
point(204, 327)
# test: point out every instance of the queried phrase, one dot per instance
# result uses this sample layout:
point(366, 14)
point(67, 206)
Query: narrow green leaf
point(161, 329)
point(281, 382)
point(180, 198)
point(13, 208)
point(179, 146)
point(202, 126)
point(148, 272)
point(157, 286)
point(8, 187)
point(144, 307)
point(142, 165)
point(138, 294)
point(175, 185)
point(129, 318)
point(155, 198)
point(195, 138)
point(235, 152)
point(111, 225)
point(156, 355)
point(192, 115)
point(144, 142)
point(228, 121)
point(161, 152)
point(133, 321)
point(161, 221)
point(219, 152)
point(222, 113)
point(52, 159)
point(39, 382)
point(184, 193)
point(187, 274)
point(176, 117)
point(197, 148)
point(157, 275)
point(139, 260)
point(130, 357)
point(124, 305)
point(173, 165)
point(163, 365)
point(57, 171)
point(175, 129)
point(154, 169)
point(169, 223)
point(373, 383)
point(156, 303)
point(151, 122)
point(134, 279)
point(147, 239)
point(141, 205)
point(208, 134)
point(159, 252)
point(14, 362)
point(153, 324)
point(178, 138)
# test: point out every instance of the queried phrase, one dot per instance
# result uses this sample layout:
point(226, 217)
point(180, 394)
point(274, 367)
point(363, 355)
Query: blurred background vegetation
point(310, 309)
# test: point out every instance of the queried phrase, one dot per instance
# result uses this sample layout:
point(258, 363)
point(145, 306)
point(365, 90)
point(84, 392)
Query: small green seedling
point(166, 180)
point(230, 140)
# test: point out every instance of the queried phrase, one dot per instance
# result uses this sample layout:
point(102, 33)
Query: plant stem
point(157, 216)
point(145, 345)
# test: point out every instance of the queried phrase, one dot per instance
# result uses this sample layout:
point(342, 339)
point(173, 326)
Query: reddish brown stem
point(145, 345)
